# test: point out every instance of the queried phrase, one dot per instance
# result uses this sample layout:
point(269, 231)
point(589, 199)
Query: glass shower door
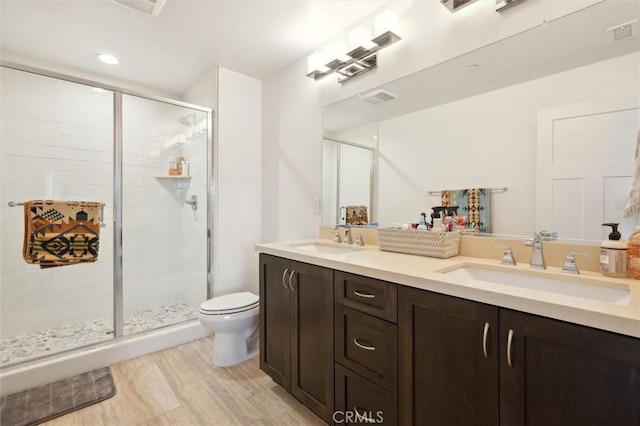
point(165, 223)
point(56, 143)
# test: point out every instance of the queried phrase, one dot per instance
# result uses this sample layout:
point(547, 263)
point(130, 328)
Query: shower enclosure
point(149, 161)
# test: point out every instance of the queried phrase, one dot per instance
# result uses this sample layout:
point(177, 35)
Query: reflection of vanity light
point(455, 5)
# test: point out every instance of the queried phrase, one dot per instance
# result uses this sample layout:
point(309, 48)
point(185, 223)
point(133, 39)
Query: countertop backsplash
point(483, 246)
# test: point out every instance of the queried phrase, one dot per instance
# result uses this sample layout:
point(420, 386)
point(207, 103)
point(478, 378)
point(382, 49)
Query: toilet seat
point(230, 304)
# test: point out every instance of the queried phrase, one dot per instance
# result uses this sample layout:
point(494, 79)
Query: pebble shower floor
point(26, 346)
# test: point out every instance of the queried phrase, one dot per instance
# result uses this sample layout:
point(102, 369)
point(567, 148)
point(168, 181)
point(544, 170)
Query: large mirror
point(546, 121)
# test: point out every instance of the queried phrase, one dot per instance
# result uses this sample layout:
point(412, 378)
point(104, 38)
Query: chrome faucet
point(347, 234)
point(537, 255)
point(359, 241)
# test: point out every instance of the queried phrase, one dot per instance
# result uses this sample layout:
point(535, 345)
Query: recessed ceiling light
point(98, 89)
point(473, 67)
point(108, 59)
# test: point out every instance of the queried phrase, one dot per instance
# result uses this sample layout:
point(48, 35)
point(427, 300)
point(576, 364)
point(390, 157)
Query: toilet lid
point(230, 302)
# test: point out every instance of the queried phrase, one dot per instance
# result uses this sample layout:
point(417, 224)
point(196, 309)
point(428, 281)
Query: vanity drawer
point(368, 346)
point(357, 395)
point(375, 297)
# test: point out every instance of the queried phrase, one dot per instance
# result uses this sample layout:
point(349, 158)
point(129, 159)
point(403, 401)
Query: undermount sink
point(570, 286)
point(328, 249)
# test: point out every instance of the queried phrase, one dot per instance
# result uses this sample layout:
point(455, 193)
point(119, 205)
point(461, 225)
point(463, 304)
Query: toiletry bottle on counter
point(613, 254)
point(422, 225)
point(633, 255)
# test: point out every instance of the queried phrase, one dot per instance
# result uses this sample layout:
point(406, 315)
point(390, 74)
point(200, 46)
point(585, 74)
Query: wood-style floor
point(180, 386)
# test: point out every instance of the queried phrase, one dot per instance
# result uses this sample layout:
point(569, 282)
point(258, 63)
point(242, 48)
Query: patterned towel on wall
point(61, 233)
point(474, 203)
point(356, 215)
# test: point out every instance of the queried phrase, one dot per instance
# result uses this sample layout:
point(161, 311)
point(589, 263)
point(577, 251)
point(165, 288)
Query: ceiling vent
point(623, 31)
point(378, 97)
point(148, 7)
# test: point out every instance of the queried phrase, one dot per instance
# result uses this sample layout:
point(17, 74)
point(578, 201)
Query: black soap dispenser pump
point(613, 254)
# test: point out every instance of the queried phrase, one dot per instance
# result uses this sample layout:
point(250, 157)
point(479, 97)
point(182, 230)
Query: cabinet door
point(312, 338)
point(358, 401)
point(447, 360)
point(558, 373)
point(275, 319)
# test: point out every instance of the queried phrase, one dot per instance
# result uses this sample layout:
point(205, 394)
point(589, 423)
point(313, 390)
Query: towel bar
point(502, 189)
point(102, 224)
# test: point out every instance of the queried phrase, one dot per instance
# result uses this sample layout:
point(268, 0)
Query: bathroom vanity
point(403, 339)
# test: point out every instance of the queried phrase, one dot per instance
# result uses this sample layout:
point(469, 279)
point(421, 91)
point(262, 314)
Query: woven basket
point(420, 243)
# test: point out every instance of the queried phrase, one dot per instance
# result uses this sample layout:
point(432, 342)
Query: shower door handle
point(193, 201)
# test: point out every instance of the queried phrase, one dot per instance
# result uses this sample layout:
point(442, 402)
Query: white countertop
point(423, 273)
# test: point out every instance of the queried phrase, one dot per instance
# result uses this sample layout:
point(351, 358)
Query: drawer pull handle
point(362, 417)
point(364, 295)
point(365, 347)
point(283, 275)
point(484, 339)
point(509, 342)
point(291, 276)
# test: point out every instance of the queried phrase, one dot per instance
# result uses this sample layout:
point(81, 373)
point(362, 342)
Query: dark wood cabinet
point(555, 374)
point(368, 295)
point(296, 326)
point(368, 346)
point(366, 343)
point(399, 355)
point(448, 360)
point(524, 370)
point(359, 401)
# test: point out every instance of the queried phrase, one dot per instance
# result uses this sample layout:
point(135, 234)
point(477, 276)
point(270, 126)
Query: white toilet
point(234, 319)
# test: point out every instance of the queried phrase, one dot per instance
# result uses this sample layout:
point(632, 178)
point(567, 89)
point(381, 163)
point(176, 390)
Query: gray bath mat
point(45, 402)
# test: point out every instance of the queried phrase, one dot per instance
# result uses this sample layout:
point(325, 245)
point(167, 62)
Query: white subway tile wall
point(57, 143)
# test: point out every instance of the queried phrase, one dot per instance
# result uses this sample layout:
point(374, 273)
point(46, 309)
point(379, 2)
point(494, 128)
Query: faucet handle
point(507, 257)
point(336, 235)
point(570, 265)
point(359, 241)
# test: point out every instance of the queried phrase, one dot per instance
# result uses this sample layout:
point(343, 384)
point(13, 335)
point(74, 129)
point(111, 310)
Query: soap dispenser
point(423, 224)
point(613, 254)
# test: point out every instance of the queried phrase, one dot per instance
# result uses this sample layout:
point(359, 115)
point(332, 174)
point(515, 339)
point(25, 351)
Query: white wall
point(292, 103)
point(238, 186)
point(486, 141)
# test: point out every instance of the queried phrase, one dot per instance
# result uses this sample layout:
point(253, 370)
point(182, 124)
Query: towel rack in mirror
point(102, 224)
point(502, 189)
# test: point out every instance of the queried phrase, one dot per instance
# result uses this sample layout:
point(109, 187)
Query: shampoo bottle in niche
point(613, 254)
point(633, 255)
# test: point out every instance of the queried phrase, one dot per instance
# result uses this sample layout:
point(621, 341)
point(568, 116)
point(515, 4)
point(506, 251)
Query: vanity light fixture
point(502, 5)
point(361, 54)
point(455, 5)
point(108, 59)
